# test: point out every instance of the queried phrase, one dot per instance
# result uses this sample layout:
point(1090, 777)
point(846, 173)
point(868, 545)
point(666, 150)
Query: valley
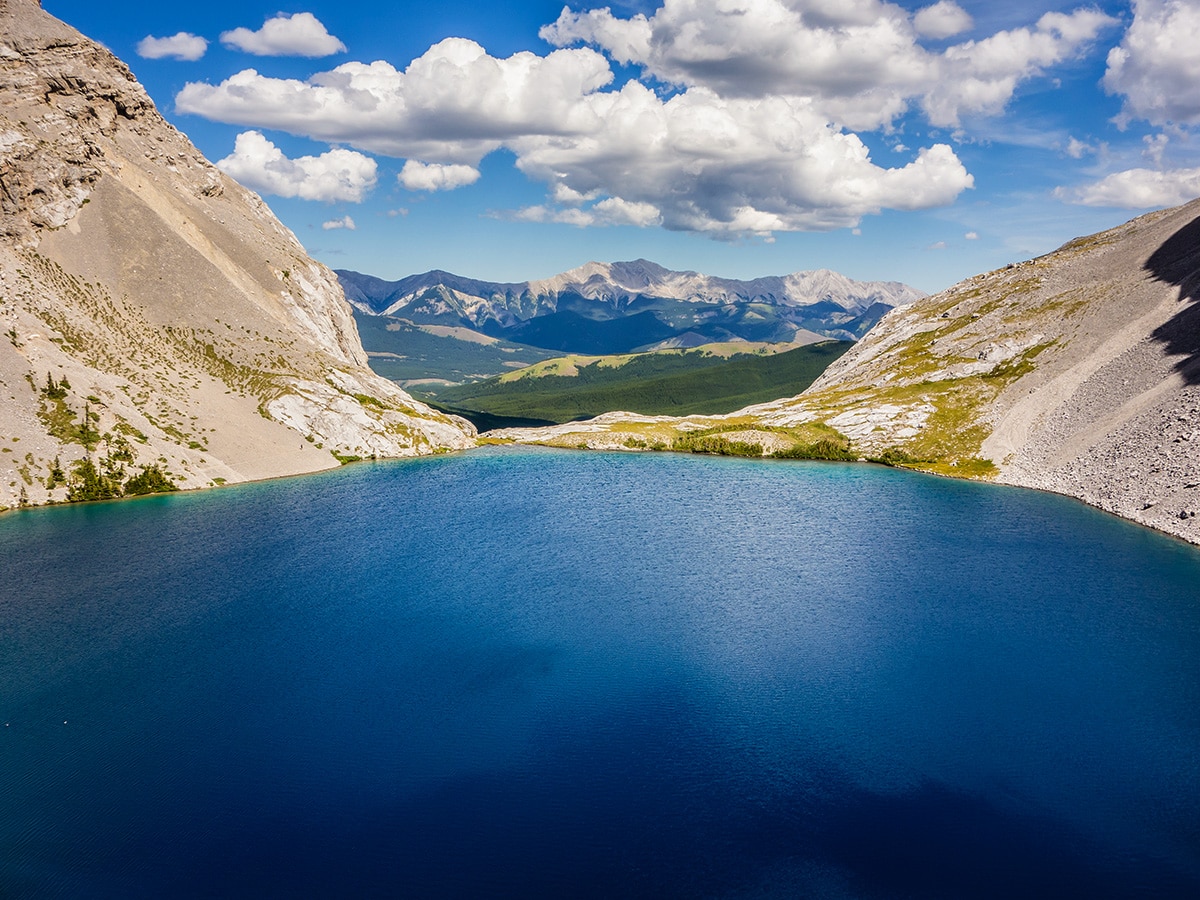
point(715, 379)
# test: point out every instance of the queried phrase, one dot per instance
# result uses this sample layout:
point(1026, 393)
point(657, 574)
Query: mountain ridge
point(155, 312)
point(617, 281)
point(632, 306)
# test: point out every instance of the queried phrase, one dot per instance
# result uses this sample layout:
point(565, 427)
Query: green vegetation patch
point(87, 482)
point(951, 438)
point(814, 441)
point(650, 384)
point(151, 480)
point(59, 418)
point(106, 481)
point(403, 352)
point(368, 400)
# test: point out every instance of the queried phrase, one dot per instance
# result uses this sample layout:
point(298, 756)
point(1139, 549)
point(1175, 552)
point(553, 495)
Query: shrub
point(88, 483)
point(894, 456)
point(823, 449)
point(151, 480)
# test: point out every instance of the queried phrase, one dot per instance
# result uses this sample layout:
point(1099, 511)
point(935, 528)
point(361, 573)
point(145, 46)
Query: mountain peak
point(567, 311)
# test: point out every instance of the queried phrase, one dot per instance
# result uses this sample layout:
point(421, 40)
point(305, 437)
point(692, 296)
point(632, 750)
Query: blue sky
point(916, 141)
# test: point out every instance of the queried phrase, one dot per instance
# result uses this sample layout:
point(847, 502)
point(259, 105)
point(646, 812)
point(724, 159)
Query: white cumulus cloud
point(301, 34)
point(858, 58)
point(942, 20)
point(696, 161)
point(419, 176)
point(1157, 65)
point(971, 236)
point(1137, 189)
point(453, 104)
point(335, 175)
point(859, 62)
point(335, 224)
point(734, 166)
point(183, 46)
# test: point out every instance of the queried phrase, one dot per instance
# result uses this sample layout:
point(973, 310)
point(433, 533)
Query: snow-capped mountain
point(614, 307)
point(619, 282)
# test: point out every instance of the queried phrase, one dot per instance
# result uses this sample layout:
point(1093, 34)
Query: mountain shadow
point(1177, 262)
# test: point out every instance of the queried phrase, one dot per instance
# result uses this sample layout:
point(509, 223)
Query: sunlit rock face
point(193, 330)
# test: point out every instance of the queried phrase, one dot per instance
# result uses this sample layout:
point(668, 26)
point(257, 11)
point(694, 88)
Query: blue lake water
point(522, 673)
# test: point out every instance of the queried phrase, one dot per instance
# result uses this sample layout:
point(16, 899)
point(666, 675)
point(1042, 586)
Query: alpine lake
point(535, 673)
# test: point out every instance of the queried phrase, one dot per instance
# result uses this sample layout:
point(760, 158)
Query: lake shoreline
point(1181, 536)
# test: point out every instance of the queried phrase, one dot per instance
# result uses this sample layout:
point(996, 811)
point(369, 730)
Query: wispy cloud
point(184, 46)
point(1137, 189)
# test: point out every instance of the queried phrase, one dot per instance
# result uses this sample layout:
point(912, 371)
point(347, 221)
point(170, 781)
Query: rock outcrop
point(1077, 372)
point(190, 328)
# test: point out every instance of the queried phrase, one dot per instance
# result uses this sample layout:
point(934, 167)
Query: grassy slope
point(420, 355)
point(670, 383)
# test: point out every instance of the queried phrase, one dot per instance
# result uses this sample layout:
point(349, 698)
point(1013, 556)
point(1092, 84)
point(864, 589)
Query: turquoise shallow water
point(546, 674)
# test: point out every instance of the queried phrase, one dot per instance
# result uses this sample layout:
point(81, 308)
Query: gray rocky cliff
point(186, 318)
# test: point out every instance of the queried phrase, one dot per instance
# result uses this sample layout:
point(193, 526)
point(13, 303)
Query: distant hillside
point(1076, 372)
point(668, 382)
point(606, 308)
point(426, 358)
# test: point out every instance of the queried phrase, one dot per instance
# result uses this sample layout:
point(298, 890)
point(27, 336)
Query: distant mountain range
point(624, 306)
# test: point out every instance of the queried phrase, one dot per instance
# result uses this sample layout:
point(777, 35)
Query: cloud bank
point(859, 62)
point(1157, 65)
point(695, 161)
point(743, 121)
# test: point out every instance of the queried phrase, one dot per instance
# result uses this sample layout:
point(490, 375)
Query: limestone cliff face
point(1077, 372)
point(186, 318)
